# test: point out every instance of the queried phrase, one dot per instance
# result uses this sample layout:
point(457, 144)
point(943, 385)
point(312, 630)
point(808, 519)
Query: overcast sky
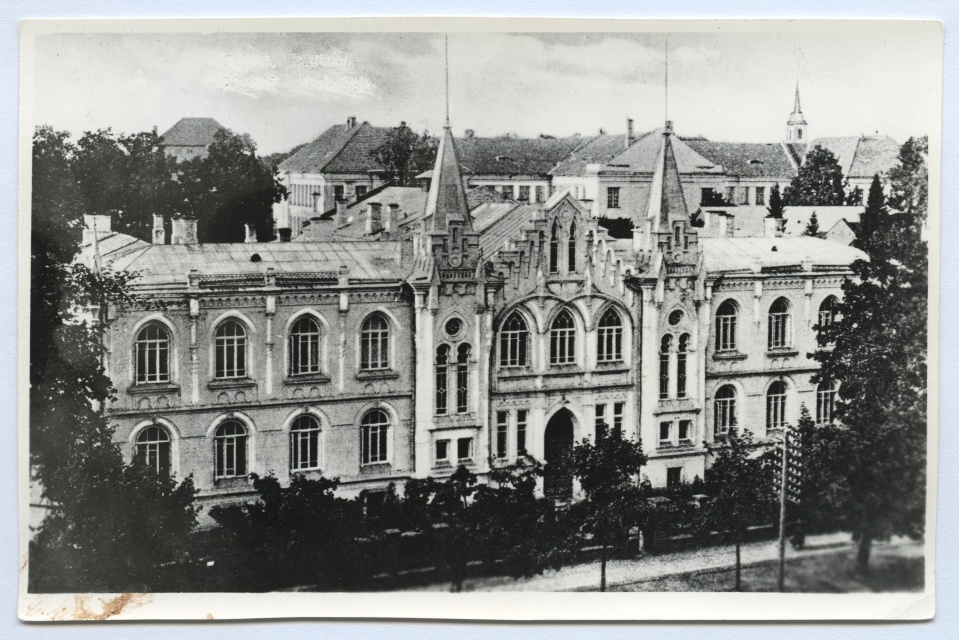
point(285, 89)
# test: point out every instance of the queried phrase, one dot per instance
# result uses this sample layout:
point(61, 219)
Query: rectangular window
point(618, 409)
point(663, 375)
point(523, 193)
point(374, 443)
point(339, 191)
point(502, 434)
point(743, 195)
point(462, 387)
point(612, 197)
point(464, 449)
point(674, 477)
point(760, 196)
point(360, 191)
point(521, 432)
point(665, 433)
point(685, 430)
point(681, 371)
point(442, 452)
point(600, 420)
point(730, 195)
point(540, 194)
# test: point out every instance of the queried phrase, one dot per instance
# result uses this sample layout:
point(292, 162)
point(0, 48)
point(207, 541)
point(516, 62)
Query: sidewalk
point(622, 572)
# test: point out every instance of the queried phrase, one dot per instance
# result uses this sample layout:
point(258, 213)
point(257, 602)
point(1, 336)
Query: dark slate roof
point(747, 159)
point(598, 150)
point(338, 149)
point(672, 199)
point(513, 156)
point(499, 222)
point(447, 196)
point(191, 132)
point(483, 194)
point(644, 154)
point(862, 156)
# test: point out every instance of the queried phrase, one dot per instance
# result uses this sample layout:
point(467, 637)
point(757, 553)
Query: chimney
point(340, 212)
point(351, 122)
point(390, 217)
point(314, 232)
point(372, 218)
point(250, 233)
point(773, 227)
point(159, 234)
point(285, 233)
point(101, 223)
point(669, 126)
point(184, 231)
point(629, 132)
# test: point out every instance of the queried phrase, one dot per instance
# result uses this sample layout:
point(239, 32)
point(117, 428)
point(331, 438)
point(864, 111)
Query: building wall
point(186, 152)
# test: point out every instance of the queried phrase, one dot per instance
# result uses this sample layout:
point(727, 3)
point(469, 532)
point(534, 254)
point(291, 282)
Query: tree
point(405, 154)
point(608, 470)
point(713, 198)
point(775, 208)
point(878, 357)
point(819, 182)
point(812, 227)
point(742, 489)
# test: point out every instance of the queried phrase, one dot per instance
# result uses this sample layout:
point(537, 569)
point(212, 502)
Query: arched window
point(562, 339)
point(152, 354)
point(230, 450)
point(665, 346)
point(571, 249)
point(776, 405)
point(554, 250)
point(153, 450)
point(780, 325)
point(374, 429)
point(305, 348)
point(726, 326)
point(375, 343)
point(724, 410)
point(825, 402)
point(231, 350)
point(442, 378)
point(609, 337)
point(828, 314)
point(681, 365)
point(513, 342)
point(305, 443)
point(462, 378)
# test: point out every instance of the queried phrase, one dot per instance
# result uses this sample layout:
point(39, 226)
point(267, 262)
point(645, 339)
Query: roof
point(340, 148)
point(483, 194)
point(111, 246)
point(498, 222)
point(598, 150)
point(447, 197)
point(514, 156)
point(748, 221)
point(643, 155)
point(411, 202)
point(191, 132)
point(731, 255)
point(862, 156)
point(171, 263)
point(747, 159)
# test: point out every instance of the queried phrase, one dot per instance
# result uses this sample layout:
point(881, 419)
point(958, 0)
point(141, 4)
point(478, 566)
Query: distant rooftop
point(191, 132)
point(731, 255)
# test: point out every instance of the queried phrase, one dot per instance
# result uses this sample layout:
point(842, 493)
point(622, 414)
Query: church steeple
point(796, 126)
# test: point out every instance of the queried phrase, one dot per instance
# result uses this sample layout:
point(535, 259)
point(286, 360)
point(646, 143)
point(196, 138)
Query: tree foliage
point(405, 154)
point(775, 208)
point(819, 182)
point(812, 227)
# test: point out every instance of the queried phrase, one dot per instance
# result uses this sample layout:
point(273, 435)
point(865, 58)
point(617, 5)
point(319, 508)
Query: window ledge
point(729, 355)
point(443, 464)
point(382, 374)
point(152, 387)
point(516, 372)
point(611, 367)
point(231, 383)
point(307, 378)
point(564, 368)
point(232, 482)
point(782, 352)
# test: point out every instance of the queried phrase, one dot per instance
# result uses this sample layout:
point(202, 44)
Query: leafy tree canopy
point(405, 154)
point(819, 182)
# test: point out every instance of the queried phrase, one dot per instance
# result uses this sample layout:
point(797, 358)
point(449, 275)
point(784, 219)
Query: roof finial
point(446, 49)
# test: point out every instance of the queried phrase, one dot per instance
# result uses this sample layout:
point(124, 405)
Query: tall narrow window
point(609, 337)
point(562, 339)
point(665, 346)
point(442, 378)
point(521, 432)
point(230, 350)
point(373, 431)
point(760, 196)
point(513, 341)
point(462, 378)
point(780, 324)
point(305, 346)
point(375, 343)
point(726, 326)
point(305, 443)
point(230, 450)
point(825, 402)
point(153, 450)
point(681, 354)
point(776, 405)
point(612, 197)
point(502, 434)
point(152, 354)
point(724, 410)
point(619, 409)
point(571, 249)
point(600, 422)
point(828, 313)
point(554, 250)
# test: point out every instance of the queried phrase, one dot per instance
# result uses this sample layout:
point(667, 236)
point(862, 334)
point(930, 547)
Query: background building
point(190, 138)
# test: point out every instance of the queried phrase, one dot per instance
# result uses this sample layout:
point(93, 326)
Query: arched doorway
point(558, 445)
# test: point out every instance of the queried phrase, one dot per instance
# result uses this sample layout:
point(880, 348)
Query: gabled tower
point(796, 126)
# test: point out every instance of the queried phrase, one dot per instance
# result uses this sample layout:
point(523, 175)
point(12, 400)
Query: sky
point(284, 89)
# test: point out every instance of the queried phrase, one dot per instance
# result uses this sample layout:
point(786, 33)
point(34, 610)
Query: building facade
point(190, 138)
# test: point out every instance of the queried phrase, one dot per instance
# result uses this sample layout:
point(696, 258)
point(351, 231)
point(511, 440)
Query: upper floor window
point(609, 337)
point(231, 350)
point(513, 342)
point(230, 444)
point(760, 196)
point(612, 197)
point(780, 324)
point(562, 339)
point(776, 405)
point(571, 249)
point(360, 191)
point(152, 354)
point(305, 348)
point(665, 346)
point(726, 326)
point(724, 410)
point(828, 314)
point(462, 378)
point(554, 250)
point(523, 193)
point(375, 343)
point(375, 427)
point(305, 443)
point(442, 378)
point(153, 450)
point(743, 195)
point(339, 191)
point(825, 402)
point(681, 354)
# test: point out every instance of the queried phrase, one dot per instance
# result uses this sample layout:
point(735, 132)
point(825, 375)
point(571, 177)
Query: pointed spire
point(666, 197)
point(796, 117)
point(796, 107)
point(447, 197)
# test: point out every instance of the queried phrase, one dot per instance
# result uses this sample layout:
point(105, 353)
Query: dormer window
point(503, 158)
